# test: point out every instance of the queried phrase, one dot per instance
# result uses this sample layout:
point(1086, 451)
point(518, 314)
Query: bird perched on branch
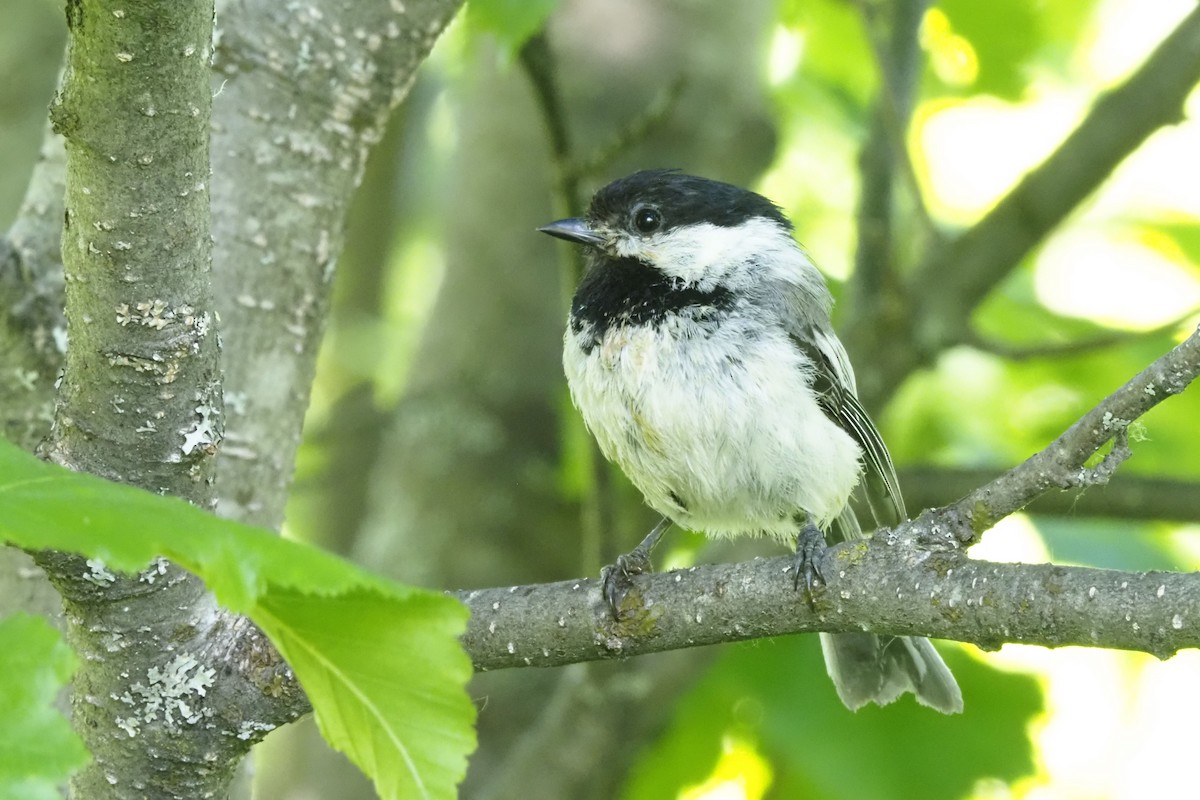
point(701, 355)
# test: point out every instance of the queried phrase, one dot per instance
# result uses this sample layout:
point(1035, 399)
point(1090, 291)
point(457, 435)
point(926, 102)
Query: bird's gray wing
point(837, 394)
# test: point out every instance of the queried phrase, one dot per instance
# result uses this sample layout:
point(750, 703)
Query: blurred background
point(441, 448)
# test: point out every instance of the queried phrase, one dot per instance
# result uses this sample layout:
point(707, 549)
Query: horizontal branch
point(915, 579)
point(873, 587)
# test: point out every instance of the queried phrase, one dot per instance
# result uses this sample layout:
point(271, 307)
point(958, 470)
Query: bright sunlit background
point(1120, 726)
point(1114, 726)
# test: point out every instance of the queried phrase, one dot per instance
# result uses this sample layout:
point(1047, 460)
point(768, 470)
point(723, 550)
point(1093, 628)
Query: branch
point(876, 291)
point(304, 97)
point(889, 584)
point(965, 270)
point(140, 395)
point(1066, 349)
point(959, 273)
point(893, 33)
point(1132, 498)
point(33, 330)
point(1061, 464)
point(537, 59)
point(877, 588)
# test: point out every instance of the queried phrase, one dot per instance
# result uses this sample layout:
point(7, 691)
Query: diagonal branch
point(956, 276)
point(1061, 464)
point(888, 585)
point(967, 268)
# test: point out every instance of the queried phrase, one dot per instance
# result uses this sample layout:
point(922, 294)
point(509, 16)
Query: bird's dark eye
point(647, 219)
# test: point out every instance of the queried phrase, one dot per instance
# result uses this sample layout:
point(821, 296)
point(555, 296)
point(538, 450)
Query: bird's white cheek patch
point(709, 255)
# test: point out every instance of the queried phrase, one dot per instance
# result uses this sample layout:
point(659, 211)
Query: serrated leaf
point(377, 665)
point(380, 661)
point(38, 749)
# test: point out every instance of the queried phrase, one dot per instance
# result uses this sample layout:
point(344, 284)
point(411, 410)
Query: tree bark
point(140, 396)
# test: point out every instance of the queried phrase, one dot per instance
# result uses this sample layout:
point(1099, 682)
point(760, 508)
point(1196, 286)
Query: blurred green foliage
point(38, 749)
point(774, 694)
point(408, 365)
point(511, 22)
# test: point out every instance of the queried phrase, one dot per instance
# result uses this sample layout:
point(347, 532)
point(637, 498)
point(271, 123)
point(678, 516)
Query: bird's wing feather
point(836, 392)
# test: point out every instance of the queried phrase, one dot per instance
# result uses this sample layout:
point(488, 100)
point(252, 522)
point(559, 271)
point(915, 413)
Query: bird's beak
point(573, 230)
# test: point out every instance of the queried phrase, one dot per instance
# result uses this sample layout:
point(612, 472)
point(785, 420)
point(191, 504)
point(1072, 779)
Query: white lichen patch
point(249, 729)
point(158, 314)
point(1111, 421)
point(169, 696)
point(98, 573)
point(204, 434)
point(157, 568)
point(151, 313)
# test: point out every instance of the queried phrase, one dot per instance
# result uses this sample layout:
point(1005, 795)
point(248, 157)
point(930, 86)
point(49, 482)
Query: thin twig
point(1027, 352)
point(898, 62)
point(537, 59)
point(633, 132)
point(1062, 462)
point(1127, 497)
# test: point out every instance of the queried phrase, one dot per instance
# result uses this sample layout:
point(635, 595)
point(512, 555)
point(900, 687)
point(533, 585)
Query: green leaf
point(394, 683)
point(38, 749)
point(380, 661)
point(512, 22)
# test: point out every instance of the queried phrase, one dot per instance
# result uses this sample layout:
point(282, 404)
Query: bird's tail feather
point(867, 668)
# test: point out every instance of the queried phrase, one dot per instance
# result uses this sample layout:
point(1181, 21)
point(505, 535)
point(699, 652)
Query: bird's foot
point(810, 548)
point(617, 578)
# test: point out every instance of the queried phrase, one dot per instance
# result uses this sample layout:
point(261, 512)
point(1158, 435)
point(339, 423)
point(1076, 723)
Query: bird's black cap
point(683, 200)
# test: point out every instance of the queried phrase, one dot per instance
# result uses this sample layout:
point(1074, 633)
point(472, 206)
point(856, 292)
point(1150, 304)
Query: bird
point(700, 352)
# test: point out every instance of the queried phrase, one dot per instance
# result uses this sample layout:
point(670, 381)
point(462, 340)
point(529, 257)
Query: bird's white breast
point(714, 422)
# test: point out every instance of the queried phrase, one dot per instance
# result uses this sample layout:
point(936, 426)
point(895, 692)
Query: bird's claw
point(617, 578)
point(810, 548)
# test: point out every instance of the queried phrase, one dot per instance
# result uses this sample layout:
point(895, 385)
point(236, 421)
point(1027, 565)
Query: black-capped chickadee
point(700, 352)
